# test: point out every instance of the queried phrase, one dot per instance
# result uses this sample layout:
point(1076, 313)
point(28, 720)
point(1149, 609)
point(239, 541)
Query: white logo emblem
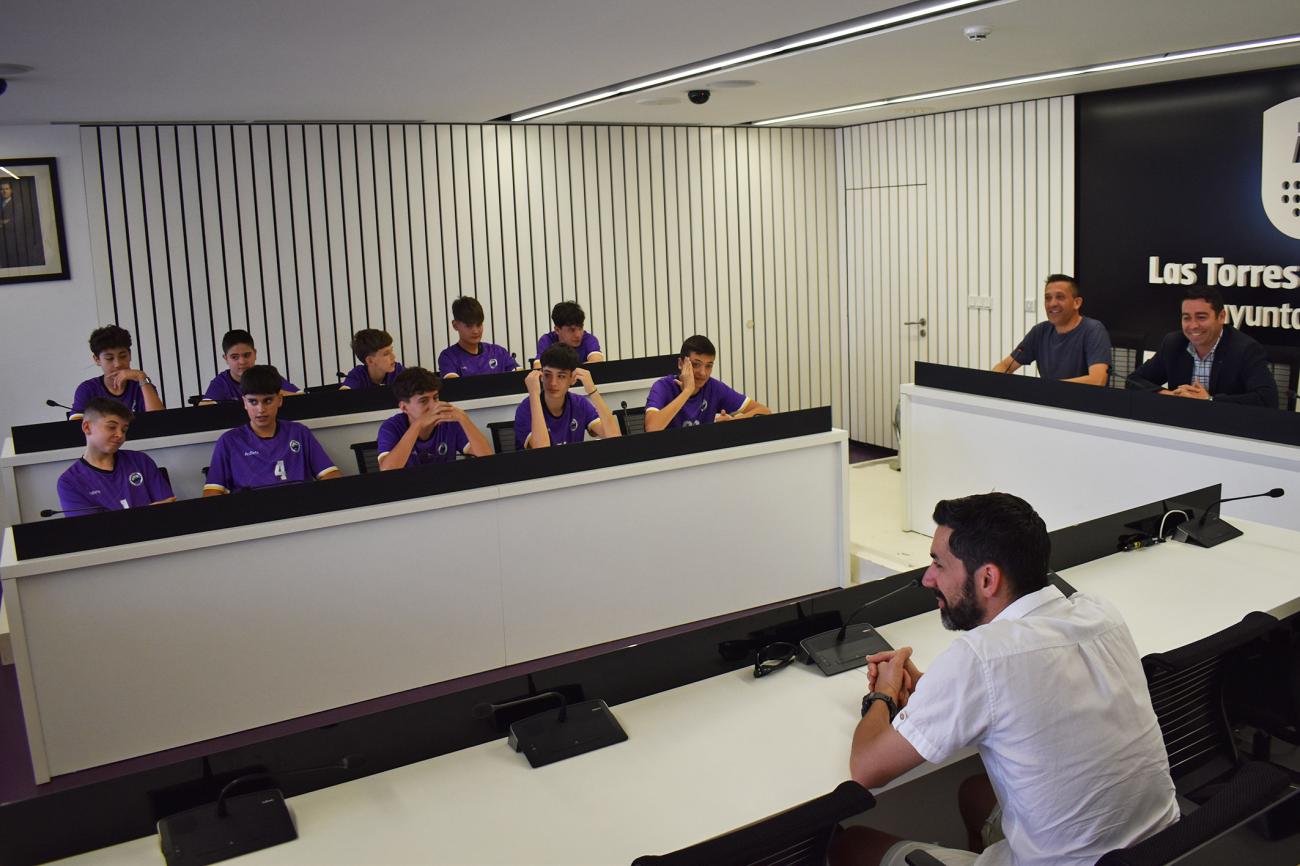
point(704, 404)
point(1279, 175)
point(442, 448)
point(573, 425)
point(136, 479)
point(694, 423)
point(294, 446)
point(492, 362)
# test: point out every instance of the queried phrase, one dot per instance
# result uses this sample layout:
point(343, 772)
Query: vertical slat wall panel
point(305, 233)
point(936, 210)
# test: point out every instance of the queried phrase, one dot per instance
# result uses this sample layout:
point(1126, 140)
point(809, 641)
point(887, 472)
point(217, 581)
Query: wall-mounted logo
point(1280, 170)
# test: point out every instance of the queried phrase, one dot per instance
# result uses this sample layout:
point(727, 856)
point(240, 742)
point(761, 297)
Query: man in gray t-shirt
point(1068, 346)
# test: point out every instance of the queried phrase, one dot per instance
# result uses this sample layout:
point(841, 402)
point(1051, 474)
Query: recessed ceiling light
point(658, 100)
point(10, 69)
point(731, 83)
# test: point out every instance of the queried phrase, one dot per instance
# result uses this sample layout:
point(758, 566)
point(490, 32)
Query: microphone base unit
point(198, 836)
point(588, 726)
point(1210, 532)
point(835, 656)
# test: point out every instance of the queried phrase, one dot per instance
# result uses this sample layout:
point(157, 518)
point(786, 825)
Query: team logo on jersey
point(135, 479)
point(573, 425)
point(704, 404)
point(442, 448)
point(492, 362)
point(294, 446)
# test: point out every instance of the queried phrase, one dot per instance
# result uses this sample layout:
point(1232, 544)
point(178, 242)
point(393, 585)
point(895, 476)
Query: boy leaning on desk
point(105, 477)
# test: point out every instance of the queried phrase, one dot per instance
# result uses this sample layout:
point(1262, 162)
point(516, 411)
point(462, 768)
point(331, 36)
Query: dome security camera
point(699, 97)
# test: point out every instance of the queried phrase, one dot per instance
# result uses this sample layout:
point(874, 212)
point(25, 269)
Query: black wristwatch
point(885, 699)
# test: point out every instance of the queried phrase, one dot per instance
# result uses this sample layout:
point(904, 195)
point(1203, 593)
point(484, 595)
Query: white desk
point(1076, 465)
point(717, 754)
point(143, 647)
point(29, 480)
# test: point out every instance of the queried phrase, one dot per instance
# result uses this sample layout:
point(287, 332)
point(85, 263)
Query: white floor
point(877, 542)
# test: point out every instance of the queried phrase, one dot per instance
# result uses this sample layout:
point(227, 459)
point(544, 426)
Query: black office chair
point(1284, 364)
point(367, 454)
point(1255, 787)
point(503, 436)
point(1265, 691)
point(1125, 355)
point(322, 389)
point(796, 837)
point(630, 421)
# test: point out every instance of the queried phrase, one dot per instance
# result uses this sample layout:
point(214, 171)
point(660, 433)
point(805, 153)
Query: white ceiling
point(466, 61)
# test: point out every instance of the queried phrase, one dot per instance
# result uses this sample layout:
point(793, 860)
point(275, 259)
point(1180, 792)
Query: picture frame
point(33, 246)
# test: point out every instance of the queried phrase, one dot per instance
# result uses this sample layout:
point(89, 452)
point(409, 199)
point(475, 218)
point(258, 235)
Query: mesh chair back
point(367, 454)
point(1126, 355)
point(1284, 364)
point(503, 436)
point(630, 421)
point(796, 837)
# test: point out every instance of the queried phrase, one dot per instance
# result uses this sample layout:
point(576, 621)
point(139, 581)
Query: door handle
point(920, 323)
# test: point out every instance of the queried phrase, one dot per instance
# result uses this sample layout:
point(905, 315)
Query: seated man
point(1049, 689)
point(107, 478)
point(570, 322)
point(470, 356)
point(550, 415)
point(239, 353)
point(110, 349)
point(1068, 346)
point(426, 430)
point(1208, 360)
point(265, 451)
point(379, 366)
point(693, 397)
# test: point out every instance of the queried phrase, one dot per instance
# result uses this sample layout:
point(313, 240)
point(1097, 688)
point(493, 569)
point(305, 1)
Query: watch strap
point(871, 697)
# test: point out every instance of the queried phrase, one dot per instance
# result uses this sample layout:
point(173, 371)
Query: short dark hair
point(560, 357)
point(236, 337)
point(567, 313)
point(1001, 529)
point(98, 407)
point(260, 379)
point(467, 310)
point(698, 345)
point(415, 380)
point(367, 341)
point(1209, 294)
point(109, 337)
point(1063, 278)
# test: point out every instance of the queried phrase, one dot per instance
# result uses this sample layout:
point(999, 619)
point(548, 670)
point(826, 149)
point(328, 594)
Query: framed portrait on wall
point(32, 245)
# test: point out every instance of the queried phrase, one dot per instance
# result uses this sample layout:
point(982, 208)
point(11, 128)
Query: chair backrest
point(1252, 789)
point(503, 436)
point(795, 837)
point(367, 454)
point(1125, 355)
point(1186, 688)
point(1284, 364)
point(630, 421)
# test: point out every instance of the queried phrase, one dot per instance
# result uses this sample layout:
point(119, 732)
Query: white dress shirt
point(1052, 693)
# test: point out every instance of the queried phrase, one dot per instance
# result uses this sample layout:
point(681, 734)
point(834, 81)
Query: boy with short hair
point(569, 321)
point(470, 356)
point(110, 349)
point(266, 451)
point(378, 367)
point(550, 415)
point(239, 353)
point(106, 478)
point(693, 396)
point(426, 430)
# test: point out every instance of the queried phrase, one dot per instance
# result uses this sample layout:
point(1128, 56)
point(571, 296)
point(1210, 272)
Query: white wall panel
point(935, 211)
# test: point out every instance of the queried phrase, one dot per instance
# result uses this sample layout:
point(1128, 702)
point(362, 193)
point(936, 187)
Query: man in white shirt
point(1049, 689)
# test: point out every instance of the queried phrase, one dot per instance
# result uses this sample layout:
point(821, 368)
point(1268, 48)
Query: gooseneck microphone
point(347, 762)
point(54, 404)
point(487, 710)
point(74, 512)
point(911, 584)
point(1211, 529)
point(340, 374)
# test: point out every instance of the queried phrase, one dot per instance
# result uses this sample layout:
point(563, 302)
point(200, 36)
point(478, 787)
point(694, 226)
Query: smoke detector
point(977, 33)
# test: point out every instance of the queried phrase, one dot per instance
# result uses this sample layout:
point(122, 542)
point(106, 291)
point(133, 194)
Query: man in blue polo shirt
point(1068, 346)
point(693, 396)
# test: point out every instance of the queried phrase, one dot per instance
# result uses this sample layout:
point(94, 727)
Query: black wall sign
point(1172, 175)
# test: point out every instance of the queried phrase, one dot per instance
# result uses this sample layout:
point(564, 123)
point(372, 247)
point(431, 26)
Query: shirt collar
point(1210, 354)
point(1027, 604)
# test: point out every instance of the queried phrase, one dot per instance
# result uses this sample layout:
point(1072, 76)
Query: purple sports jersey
point(133, 482)
point(568, 427)
point(588, 345)
point(243, 461)
point(491, 358)
point(132, 395)
point(224, 387)
point(358, 379)
point(702, 407)
point(446, 441)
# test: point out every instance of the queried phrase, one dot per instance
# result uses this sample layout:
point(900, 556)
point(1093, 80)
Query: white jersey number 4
point(279, 471)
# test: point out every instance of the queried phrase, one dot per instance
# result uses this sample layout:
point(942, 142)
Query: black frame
point(44, 172)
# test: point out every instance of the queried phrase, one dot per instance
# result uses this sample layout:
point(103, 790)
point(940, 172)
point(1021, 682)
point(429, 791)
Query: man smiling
point(1068, 346)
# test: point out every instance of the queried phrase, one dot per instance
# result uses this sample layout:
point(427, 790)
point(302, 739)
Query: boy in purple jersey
point(550, 415)
point(693, 396)
point(265, 451)
point(239, 353)
point(426, 430)
point(569, 321)
point(379, 366)
point(107, 478)
point(470, 356)
point(110, 349)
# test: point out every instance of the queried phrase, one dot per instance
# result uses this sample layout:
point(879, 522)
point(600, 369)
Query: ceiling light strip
point(866, 26)
point(1171, 57)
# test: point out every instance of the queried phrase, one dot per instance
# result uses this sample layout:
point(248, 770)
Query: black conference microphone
point(544, 738)
point(842, 649)
point(74, 512)
point(57, 405)
point(1211, 529)
point(340, 374)
point(911, 584)
point(489, 710)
